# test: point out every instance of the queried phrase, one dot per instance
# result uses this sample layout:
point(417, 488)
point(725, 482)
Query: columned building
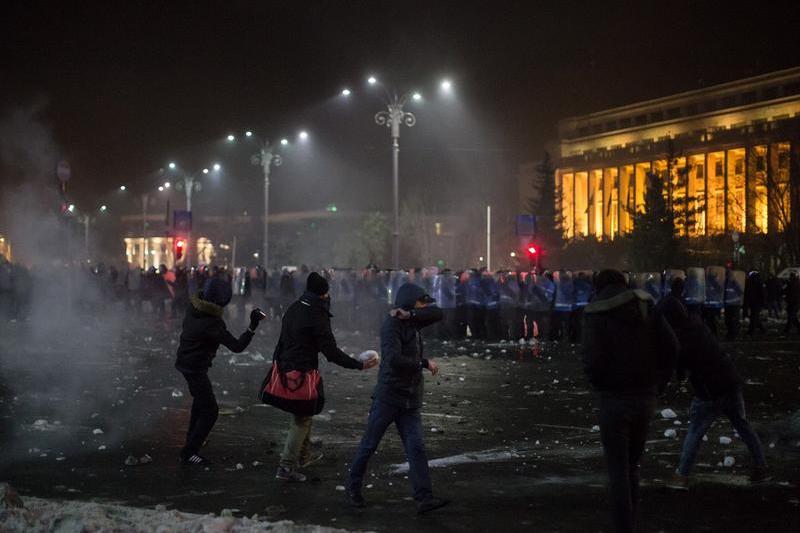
point(725, 154)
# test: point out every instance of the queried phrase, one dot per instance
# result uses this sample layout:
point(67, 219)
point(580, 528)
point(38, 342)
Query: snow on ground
point(40, 515)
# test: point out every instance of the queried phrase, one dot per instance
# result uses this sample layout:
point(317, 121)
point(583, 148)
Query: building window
point(625, 122)
point(581, 204)
point(715, 213)
point(757, 185)
point(642, 170)
point(749, 97)
point(735, 192)
point(675, 112)
point(640, 120)
point(657, 116)
point(566, 194)
point(779, 190)
point(696, 195)
point(769, 93)
point(627, 200)
point(596, 203)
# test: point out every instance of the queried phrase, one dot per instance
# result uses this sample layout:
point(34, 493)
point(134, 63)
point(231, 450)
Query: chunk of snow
point(668, 413)
point(725, 440)
point(670, 433)
point(97, 431)
point(595, 428)
point(177, 394)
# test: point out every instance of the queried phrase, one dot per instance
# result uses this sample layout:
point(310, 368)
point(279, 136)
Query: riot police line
point(494, 306)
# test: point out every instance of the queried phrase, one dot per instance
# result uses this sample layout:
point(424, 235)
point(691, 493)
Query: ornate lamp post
point(265, 158)
point(393, 117)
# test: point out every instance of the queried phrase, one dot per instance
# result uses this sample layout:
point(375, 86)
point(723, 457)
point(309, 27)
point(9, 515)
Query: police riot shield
point(565, 291)
point(670, 275)
point(734, 287)
point(239, 281)
point(715, 287)
point(542, 293)
point(650, 282)
point(444, 291)
point(582, 284)
point(396, 279)
point(695, 291)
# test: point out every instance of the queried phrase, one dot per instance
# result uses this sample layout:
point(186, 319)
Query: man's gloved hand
point(256, 316)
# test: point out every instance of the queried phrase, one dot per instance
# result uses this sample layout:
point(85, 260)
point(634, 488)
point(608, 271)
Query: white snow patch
point(668, 414)
point(485, 456)
point(725, 440)
point(670, 433)
point(40, 515)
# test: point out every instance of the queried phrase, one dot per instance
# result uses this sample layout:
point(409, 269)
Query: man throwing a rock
point(398, 395)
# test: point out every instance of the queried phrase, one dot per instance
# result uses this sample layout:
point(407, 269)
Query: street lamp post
point(189, 184)
point(265, 159)
point(393, 117)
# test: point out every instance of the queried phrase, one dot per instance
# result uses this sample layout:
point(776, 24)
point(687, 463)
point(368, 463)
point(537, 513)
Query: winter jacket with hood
point(627, 349)
point(711, 371)
point(203, 332)
point(400, 381)
point(305, 332)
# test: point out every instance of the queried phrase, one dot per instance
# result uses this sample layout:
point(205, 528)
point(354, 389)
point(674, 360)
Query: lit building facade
point(726, 155)
point(5, 247)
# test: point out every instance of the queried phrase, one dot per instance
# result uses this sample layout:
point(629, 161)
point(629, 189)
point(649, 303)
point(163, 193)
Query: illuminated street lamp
point(393, 117)
point(123, 188)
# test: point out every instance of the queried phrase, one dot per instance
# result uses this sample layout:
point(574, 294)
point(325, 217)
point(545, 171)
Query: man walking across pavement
point(629, 352)
point(398, 395)
point(305, 332)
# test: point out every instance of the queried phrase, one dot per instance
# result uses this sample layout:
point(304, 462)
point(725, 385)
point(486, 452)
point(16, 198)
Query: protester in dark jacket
point(203, 332)
point(398, 395)
point(717, 391)
point(629, 353)
point(754, 299)
point(792, 295)
point(305, 332)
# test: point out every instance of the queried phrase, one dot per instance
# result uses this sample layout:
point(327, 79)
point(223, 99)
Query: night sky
point(129, 85)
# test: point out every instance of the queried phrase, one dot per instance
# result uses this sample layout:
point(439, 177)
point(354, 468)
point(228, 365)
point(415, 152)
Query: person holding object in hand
point(305, 332)
point(398, 395)
point(203, 331)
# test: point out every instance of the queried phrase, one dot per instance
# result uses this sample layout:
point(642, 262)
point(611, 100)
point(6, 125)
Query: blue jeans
point(409, 425)
point(702, 415)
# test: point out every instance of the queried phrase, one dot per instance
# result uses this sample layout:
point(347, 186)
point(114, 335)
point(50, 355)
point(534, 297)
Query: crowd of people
point(493, 306)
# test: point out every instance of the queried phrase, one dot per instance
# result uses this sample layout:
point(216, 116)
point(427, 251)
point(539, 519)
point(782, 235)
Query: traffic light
point(534, 252)
point(180, 245)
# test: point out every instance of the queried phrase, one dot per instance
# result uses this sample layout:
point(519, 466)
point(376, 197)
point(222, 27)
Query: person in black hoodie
point(629, 353)
point(203, 331)
point(717, 391)
point(306, 331)
point(398, 395)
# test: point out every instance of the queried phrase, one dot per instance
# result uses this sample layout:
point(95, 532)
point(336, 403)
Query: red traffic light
point(532, 249)
point(180, 244)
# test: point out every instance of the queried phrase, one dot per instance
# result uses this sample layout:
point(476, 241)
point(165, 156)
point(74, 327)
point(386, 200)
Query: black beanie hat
point(317, 284)
point(608, 277)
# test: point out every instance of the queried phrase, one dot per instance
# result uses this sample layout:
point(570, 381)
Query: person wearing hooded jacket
point(305, 332)
point(397, 397)
point(203, 331)
point(717, 390)
point(629, 353)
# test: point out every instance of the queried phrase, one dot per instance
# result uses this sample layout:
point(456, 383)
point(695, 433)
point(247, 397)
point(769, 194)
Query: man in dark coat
point(203, 332)
point(305, 332)
point(398, 395)
point(717, 391)
point(754, 298)
point(792, 294)
point(629, 353)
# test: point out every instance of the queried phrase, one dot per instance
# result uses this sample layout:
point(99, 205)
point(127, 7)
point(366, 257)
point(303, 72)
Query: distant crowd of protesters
point(493, 306)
